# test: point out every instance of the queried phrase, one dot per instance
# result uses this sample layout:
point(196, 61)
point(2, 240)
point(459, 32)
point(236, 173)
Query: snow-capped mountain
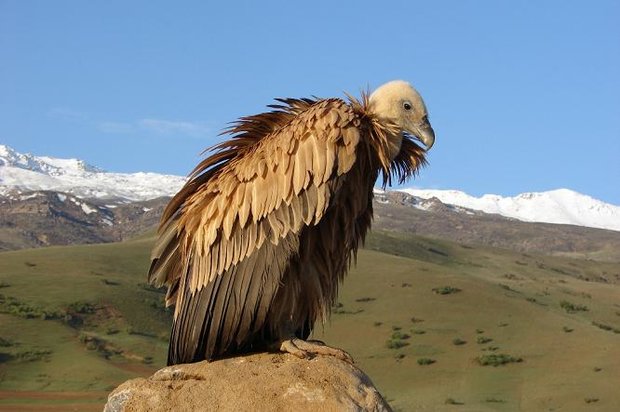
point(26, 172)
point(556, 206)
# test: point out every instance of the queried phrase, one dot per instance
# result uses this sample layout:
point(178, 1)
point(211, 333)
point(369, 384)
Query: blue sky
point(523, 96)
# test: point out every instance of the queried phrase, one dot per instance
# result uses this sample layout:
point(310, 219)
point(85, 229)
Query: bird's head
point(399, 104)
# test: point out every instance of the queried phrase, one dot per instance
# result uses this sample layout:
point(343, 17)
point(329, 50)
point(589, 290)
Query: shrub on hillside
point(573, 307)
point(446, 290)
point(84, 308)
point(5, 343)
point(497, 359)
point(483, 339)
point(606, 327)
point(425, 361)
point(400, 335)
point(33, 355)
point(395, 343)
point(13, 306)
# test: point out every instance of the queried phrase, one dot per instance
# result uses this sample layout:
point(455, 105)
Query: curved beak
point(426, 134)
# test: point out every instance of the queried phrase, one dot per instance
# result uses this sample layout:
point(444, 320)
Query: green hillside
point(420, 316)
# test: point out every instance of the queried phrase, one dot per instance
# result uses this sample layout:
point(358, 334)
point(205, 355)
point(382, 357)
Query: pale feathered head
point(397, 102)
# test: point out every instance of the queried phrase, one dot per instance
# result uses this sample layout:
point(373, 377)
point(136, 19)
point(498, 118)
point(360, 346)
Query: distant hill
point(48, 218)
point(401, 212)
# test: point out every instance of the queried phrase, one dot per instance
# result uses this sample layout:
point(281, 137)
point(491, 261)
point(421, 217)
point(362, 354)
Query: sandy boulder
point(259, 382)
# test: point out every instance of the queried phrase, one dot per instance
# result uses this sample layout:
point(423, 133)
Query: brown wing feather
point(309, 288)
point(228, 237)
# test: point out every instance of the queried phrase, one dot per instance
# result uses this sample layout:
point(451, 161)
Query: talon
point(289, 346)
point(305, 349)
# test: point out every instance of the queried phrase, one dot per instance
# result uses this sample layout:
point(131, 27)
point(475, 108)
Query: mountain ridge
point(561, 206)
point(26, 172)
point(22, 173)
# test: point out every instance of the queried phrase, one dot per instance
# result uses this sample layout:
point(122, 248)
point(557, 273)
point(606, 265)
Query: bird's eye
point(407, 106)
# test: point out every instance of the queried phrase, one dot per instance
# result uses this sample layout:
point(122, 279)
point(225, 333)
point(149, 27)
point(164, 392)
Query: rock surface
point(258, 382)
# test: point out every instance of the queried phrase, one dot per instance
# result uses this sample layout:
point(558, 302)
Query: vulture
point(253, 247)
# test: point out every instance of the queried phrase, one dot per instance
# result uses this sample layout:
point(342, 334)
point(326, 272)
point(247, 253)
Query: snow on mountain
point(42, 164)
point(556, 206)
point(25, 172)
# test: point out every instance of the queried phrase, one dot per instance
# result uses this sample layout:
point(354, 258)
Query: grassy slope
point(558, 367)
point(109, 276)
point(513, 298)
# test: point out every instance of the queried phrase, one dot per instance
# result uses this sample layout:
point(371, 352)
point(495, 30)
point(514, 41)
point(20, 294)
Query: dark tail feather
point(187, 338)
point(228, 314)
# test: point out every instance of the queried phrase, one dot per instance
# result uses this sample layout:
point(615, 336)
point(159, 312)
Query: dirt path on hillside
point(32, 401)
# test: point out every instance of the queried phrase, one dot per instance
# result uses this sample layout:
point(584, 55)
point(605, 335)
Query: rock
point(258, 382)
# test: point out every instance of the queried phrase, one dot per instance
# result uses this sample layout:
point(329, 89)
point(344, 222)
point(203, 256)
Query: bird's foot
point(307, 348)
